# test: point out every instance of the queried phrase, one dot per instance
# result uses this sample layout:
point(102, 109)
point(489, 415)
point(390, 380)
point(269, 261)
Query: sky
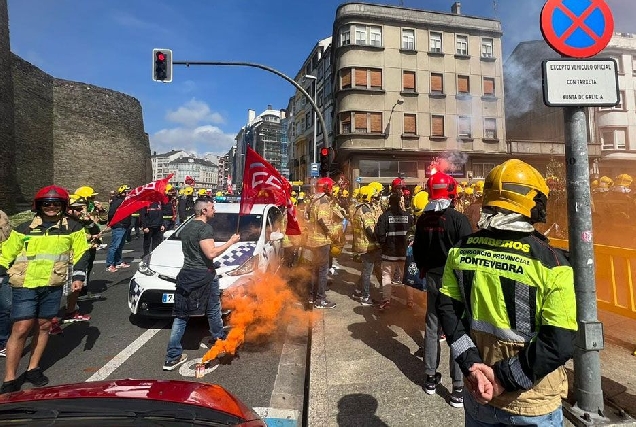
point(109, 44)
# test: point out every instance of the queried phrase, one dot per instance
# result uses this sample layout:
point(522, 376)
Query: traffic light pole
point(273, 71)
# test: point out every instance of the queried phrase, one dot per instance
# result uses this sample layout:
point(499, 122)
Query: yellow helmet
point(335, 250)
point(513, 185)
point(293, 200)
point(335, 190)
point(293, 193)
point(355, 193)
point(469, 191)
point(376, 187)
point(419, 201)
point(123, 189)
point(479, 187)
point(85, 192)
point(345, 193)
point(623, 180)
point(75, 200)
point(464, 183)
point(594, 184)
point(188, 191)
point(366, 193)
point(301, 195)
point(417, 189)
point(202, 192)
point(169, 188)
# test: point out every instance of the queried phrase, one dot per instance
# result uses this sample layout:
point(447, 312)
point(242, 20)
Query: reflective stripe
point(48, 257)
point(517, 373)
point(523, 317)
point(505, 334)
point(79, 273)
point(393, 258)
point(396, 233)
point(460, 346)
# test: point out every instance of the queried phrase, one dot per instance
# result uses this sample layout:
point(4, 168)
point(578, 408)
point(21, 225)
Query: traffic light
point(324, 162)
point(162, 65)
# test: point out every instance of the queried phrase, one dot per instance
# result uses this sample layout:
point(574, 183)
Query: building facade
point(160, 162)
point(413, 85)
point(205, 173)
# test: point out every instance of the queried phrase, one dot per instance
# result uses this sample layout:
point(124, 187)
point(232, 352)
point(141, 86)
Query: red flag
point(141, 197)
point(262, 183)
point(189, 180)
point(293, 228)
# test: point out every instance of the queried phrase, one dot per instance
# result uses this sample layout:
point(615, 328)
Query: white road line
point(277, 414)
point(125, 354)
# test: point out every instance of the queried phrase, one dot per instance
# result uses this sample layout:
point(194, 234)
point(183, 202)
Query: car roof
point(259, 209)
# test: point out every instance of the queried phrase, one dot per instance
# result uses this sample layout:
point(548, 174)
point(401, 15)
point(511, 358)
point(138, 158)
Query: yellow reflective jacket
point(320, 214)
point(363, 219)
point(34, 256)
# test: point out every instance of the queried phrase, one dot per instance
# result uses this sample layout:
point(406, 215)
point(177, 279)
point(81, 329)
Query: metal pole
point(587, 365)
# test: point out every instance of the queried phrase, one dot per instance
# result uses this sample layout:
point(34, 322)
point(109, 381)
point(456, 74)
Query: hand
point(146, 230)
point(479, 386)
point(77, 285)
point(235, 238)
point(489, 373)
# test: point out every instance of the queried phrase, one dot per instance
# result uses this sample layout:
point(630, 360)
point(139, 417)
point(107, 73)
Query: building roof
point(190, 160)
point(168, 154)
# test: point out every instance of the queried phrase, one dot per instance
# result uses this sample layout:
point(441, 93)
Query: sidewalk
point(364, 371)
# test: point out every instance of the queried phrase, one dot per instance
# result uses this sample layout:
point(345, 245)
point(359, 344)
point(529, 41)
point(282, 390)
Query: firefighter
point(155, 219)
point(518, 293)
point(186, 204)
point(365, 245)
point(94, 208)
point(322, 231)
point(473, 210)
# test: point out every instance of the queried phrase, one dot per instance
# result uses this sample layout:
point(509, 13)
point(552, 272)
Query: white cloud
point(201, 139)
point(129, 21)
point(193, 113)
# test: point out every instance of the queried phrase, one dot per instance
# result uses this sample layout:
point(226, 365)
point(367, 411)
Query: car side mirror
point(275, 236)
point(167, 234)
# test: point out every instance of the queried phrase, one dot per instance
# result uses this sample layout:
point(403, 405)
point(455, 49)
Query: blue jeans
point(488, 416)
point(215, 321)
point(35, 303)
point(320, 265)
point(5, 312)
point(116, 247)
point(369, 260)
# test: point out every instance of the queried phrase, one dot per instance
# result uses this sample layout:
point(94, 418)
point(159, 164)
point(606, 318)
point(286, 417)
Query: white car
point(151, 289)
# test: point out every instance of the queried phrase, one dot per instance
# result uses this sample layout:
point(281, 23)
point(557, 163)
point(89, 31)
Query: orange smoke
point(258, 310)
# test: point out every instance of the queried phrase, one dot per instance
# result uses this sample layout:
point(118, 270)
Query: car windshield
point(224, 225)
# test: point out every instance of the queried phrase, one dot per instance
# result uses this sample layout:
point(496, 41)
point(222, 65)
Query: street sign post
point(580, 29)
point(315, 170)
point(577, 28)
point(582, 83)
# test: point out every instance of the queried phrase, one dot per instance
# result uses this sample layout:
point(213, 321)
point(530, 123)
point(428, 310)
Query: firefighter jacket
point(391, 231)
point(507, 299)
point(156, 215)
point(363, 230)
point(124, 223)
point(322, 221)
point(436, 232)
point(185, 207)
point(35, 256)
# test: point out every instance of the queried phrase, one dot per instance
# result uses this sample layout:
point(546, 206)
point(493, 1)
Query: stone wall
point(55, 131)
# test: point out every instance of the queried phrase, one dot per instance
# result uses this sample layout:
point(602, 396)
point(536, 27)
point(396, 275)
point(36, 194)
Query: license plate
point(167, 298)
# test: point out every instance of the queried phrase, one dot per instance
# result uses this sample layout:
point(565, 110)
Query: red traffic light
point(161, 56)
point(324, 151)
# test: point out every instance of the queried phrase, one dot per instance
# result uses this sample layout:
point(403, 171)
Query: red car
point(127, 402)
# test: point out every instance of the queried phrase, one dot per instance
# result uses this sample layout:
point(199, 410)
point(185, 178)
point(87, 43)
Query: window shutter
point(489, 86)
point(361, 121)
point(437, 83)
point(376, 122)
point(409, 124)
point(361, 77)
point(408, 81)
point(437, 126)
point(462, 84)
point(345, 76)
point(345, 122)
point(376, 78)
point(464, 126)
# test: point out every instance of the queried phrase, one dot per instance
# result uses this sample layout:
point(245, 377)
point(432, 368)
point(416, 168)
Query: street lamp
point(315, 84)
point(399, 101)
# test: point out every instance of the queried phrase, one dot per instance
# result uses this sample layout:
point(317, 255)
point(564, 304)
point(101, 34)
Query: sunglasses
point(51, 204)
point(77, 209)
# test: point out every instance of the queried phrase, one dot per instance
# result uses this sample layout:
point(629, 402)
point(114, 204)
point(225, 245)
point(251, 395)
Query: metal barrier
point(615, 277)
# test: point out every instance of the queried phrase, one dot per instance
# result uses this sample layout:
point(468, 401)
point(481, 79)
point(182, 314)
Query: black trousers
point(152, 238)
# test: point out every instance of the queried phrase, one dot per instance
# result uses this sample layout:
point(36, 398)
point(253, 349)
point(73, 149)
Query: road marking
point(278, 417)
point(187, 369)
point(125, 354)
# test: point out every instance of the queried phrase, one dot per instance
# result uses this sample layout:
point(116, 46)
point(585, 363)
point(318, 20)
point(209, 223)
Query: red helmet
point(397, 183)
point(406, 192)
point(51, 193)
point(441, 186)
point(324, 185)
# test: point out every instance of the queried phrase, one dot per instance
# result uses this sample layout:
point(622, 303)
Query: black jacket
point(156, 215)
point(435, 234)
point(391, 231)
point(186, 207)
point(124, 223)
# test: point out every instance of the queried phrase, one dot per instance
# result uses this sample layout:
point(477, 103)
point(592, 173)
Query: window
point(408, 81)
point(308, 120)
point(363, 78)
point(486, 48)
point(463, 84)
point(375, 120)
point(345, 122)
point(345, 78)
point(361, 35)
point(408, 39)
point(375, 36)
point(435, 42)
point(613, 138)
point(481, 170)
point(437, 126)
point(489, 86)
point(360, 121)
point(490, 128)
point(319, 97)
point(464, 127)
point(410, 124)
point(387, 168)
point(360, 78)
point(461, 45)
point(437, 83)
point(364, 122)
point(376, 78)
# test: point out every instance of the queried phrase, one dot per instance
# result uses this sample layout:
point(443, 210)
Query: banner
point(189, 180)
point(263, 184)
point(141, 197)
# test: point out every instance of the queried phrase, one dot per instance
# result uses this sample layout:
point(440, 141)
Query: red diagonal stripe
point(578, 22)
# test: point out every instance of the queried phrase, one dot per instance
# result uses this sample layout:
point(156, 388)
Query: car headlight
point(247, 267)
point(146, 270)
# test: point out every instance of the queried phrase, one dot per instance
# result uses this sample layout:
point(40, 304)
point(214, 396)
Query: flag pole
point(238, 222)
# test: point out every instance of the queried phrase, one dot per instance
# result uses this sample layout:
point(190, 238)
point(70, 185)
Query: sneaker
point(10, 387)
point(111, 269)
point(36, 377)
point(385, 304)
point(366, 301)
point(3, 352)
point(324, 304)
point(75, 317)
point(430, 387)
point(55, 327)
point(171, 365)
point(457, 397)
point(122, 265)
point(357, 294)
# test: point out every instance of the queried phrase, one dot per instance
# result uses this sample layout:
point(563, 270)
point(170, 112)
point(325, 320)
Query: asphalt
point(366, 370)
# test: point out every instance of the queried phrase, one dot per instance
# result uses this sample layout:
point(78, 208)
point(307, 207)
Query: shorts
point(36, 303)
